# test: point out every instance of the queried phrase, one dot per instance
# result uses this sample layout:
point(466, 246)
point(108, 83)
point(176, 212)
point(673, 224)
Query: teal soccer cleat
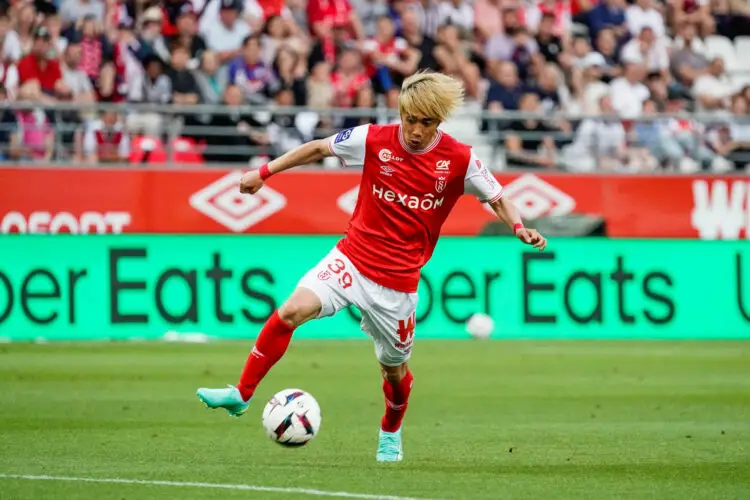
point(389, 447)
point(230, 399)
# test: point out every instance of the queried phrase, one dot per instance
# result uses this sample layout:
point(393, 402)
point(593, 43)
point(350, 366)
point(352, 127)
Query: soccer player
point(412, 176)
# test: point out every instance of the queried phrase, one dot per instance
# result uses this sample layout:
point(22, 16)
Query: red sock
point(396, 401)
point(269, 347)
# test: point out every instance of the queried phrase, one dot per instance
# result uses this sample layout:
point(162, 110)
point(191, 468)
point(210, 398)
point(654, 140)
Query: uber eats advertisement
point(76, 287)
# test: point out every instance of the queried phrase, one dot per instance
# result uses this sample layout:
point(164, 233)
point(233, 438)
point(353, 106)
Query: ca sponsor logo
point(65, 222)
point(721, 209)
point(385, 155)
point(443, 165)
point(222, 202)
point(536, 198)
point(425, 202)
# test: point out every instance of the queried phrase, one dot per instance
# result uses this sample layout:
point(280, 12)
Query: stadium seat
point(742, 50)
point(721, 46)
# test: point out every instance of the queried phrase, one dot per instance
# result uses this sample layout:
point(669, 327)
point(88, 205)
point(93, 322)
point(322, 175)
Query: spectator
point(94, 45)
point(548, 89)
point(369, 11)
point(628, 93)
point(351, 86)
point(732, 140)
point(37, 139)
point(423, 44)
point(249, 11)
point(557, 10)
point(53, 23)
point(429, 16)
point(551, 45)
point(153, 87)
point(713, 90)
point(233, 133)
point(488, 19)
point(37, 73)
point(686, 63)
point(649, 49)
point(696, 12)
point(325, 15)
point(388, 60)
point(276, 36)
point(186, 35)
point(320, 91)
point(454, 58)
point(9, 138)
point(25, 27)
point(608, 14)
point(514, 45)
point(185, 91)
point(606, 44)
point(249, 73)
point(73, 11)
point(227, 37)
point(505, 88)
point(10, 43)
point(149, 33)
point(211, 79)
point(529, 142)
point(8, 80)
point(289, 74)
point(593, 87)
point(458, 13)
point(600, 142)
point(327, 49)
point(106, 140)
point(732, 17)
point(643, 14)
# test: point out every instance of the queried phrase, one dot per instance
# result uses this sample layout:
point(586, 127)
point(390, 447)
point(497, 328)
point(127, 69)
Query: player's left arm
point(481, 183)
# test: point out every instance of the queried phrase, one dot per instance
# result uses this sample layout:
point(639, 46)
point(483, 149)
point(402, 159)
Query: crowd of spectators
point(574, 84)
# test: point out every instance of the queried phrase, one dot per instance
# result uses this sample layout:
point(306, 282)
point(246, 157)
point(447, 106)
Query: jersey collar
point(413, 151)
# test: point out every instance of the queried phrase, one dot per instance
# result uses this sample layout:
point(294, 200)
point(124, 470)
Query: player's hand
point(532, 237)
point(250, 182)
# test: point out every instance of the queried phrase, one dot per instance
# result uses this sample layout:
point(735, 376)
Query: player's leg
point(390, 321)
point(271, 344)
point(317, 296)
point(397, 384)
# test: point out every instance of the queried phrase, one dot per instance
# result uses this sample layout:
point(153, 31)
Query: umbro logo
point(222, 201)
point(386, 170)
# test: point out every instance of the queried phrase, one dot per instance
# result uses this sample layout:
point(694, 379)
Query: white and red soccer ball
point(292, 417)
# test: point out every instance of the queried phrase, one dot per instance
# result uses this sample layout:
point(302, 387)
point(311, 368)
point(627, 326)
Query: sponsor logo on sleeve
point(343, 136)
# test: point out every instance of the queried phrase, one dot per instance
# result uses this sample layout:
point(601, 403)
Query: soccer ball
point(480, 326)
point(292, 417)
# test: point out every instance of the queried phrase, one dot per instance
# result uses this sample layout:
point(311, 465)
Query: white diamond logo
point(536, 198)
point(348, 200)
point(222, 201)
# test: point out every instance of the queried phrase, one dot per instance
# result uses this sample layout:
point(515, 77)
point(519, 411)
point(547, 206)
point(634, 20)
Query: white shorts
point(388, 316)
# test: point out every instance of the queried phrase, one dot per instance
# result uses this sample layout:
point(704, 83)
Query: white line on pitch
point(245, 487)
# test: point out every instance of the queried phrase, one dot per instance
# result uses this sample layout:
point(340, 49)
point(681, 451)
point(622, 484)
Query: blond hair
point(432, 95)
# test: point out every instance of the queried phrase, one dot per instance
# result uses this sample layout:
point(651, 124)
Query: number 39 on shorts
point(338, 268)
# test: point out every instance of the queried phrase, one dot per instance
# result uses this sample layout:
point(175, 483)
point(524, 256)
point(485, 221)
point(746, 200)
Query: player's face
point(419, 130)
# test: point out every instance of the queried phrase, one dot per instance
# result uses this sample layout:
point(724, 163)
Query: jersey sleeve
point(349, 145)
point(480, 182)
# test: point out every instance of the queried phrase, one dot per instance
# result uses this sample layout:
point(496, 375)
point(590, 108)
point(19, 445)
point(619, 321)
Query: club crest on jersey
point(343, 135)
point(443, 165)
point(385, 155)
point(386, 170)
point(440, 184)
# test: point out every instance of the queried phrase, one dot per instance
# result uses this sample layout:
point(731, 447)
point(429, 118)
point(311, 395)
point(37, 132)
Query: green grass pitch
point(487, 420)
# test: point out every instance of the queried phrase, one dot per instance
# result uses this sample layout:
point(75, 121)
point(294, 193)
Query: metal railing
point(562, 141)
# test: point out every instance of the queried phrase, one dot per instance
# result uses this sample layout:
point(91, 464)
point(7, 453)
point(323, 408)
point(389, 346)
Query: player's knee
point(394, 374)
point(300, 308)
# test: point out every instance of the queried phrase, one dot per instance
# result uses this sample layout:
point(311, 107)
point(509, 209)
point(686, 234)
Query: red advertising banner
point(43, 200)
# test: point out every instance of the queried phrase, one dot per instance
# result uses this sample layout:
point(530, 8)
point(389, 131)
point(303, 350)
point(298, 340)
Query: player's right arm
point(348, 145)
